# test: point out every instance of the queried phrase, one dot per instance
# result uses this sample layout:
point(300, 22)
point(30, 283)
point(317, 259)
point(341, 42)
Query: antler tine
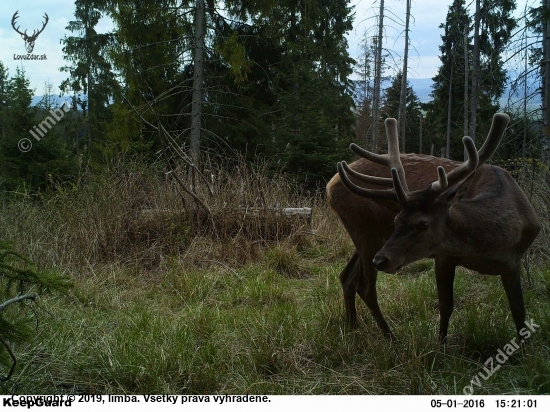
point(498, 126)
point(400, 192)
point(360, 191)
point(393, 151)
point(442, 182)
point(475, 158)
point(392, 160)
point(383, 181)
point(461, 172)
point(373, 157)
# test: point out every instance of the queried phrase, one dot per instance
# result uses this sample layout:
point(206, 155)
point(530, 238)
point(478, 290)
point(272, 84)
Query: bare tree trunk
point(366, 97)
point(546, 88)
point(466, 85)
point(420, 132)
point(89, 87)
point(475, 75)
point(526, 61)
point(198, 74)
point(403, 103)
point(449, 107)
point(365, 134)
point(377, 77)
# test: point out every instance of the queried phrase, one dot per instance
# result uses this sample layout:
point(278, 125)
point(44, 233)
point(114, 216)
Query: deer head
point(423, 224)
point(29, 40)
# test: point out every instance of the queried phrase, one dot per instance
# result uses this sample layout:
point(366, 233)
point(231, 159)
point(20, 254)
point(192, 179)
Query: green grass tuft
point(255, 330)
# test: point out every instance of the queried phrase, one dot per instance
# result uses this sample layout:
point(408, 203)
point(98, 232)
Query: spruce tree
point(91, 78)
point(444, 93)
point(391, 102)
point(27, 163)
point(315, 121)
point(448, 96)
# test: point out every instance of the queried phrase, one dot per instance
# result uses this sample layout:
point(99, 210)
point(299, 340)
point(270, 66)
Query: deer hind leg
point(348, 278)
point(366, 289)
point(512, 286)
point(444, 277)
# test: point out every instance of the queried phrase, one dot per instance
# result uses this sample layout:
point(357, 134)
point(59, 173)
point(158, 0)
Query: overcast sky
point(424, 36)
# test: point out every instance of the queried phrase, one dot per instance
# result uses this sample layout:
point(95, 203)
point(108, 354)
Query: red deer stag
point(470, 214)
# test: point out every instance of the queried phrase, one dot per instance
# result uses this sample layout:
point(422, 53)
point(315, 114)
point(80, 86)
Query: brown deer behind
point(467, 214)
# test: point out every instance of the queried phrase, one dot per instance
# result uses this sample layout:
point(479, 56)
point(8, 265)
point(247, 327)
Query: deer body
point(479, 219)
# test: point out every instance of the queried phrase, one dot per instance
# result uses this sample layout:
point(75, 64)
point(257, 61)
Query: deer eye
point(423, 226)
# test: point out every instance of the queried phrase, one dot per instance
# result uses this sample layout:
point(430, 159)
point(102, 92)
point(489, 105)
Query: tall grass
point(130, 214)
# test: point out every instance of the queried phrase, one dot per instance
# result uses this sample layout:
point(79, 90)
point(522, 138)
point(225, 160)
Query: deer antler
point(400, 191)
point(392, 160)
point(475, 158)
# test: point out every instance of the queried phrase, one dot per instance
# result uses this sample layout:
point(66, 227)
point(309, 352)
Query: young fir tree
point(20, 283)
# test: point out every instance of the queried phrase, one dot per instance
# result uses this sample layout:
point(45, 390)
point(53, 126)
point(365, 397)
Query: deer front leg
point(366, 289)
point(444, 277)
point(348, 278)
point(512, 286)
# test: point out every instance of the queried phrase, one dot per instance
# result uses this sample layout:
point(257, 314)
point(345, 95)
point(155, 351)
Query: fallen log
point(255, 223)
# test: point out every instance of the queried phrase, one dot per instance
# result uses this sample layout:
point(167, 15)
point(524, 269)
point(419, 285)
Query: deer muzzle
point(386, 263)
point(380, 262)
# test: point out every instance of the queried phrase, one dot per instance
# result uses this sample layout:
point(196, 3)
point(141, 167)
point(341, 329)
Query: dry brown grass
point(130, 215)
point(133, 216)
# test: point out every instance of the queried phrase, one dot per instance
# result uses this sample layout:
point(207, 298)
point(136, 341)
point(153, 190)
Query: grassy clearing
point(260, 330)
point(202, 313)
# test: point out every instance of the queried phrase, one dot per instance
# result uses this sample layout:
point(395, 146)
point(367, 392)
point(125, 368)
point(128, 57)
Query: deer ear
point(455, 193)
